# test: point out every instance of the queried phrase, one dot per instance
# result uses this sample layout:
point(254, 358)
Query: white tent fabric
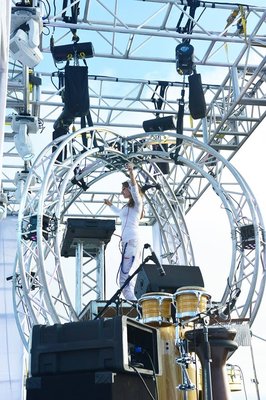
point(11, 347)
point(4, 51)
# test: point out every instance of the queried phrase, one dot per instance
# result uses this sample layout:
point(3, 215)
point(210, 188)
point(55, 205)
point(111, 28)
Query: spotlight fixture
point(147, 186)
point(3, 206)
point(19, 181)
point(23, 144)
point(20, 50)
point(32, 228)
point(160, 124)
point(248, 237)
point(184, 58)
point(26, 28)
point(29, 120)
point(22, 125)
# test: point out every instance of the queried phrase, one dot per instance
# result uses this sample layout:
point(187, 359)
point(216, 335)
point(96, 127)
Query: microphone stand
point(119, 291)
point(207, 379)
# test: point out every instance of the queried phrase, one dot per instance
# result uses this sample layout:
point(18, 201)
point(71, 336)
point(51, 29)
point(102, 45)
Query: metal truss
point(134, 58)
point(139, 48)
point(41, 293)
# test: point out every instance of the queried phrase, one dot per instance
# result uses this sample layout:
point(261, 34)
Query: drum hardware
point(199, 318)
point(139, 311)
point(212, 345)
point(183, 362)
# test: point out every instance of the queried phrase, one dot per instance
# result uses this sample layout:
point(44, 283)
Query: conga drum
point(190, 301)
point(156, 309)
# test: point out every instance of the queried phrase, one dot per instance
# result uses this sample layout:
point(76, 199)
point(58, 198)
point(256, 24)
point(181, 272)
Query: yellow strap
point(191, 121)
point(243, 21)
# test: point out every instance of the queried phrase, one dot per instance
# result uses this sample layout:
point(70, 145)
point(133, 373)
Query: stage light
point(21, 51)
point(26, 27)
point(23, 143)
point(160, 124)
point(70, 51)
point(184, 58)
point(20, 180)
point(3, 206)
point(248, 237)
point(32, 228)
point(22, 125)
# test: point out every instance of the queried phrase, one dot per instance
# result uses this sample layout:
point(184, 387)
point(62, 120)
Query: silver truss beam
point(139, 50)
point(43, 292)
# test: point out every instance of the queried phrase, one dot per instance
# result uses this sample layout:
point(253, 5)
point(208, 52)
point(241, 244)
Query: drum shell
point(156, 309)
point(190, 301)
point(171, 376)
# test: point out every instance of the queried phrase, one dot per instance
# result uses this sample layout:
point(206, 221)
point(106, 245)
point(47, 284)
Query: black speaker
point(149, 279)
point(91, 386)
point(197, 104)
point(76, 94)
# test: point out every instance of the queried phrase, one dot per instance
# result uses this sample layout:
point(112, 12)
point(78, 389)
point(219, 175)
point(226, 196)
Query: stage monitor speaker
point(116, 344)
point(91, 386)
point(149, 278)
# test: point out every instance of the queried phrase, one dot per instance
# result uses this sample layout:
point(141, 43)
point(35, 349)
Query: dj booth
point(92, 233)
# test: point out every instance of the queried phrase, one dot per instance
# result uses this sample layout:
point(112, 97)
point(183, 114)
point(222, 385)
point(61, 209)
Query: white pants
point(130, 262)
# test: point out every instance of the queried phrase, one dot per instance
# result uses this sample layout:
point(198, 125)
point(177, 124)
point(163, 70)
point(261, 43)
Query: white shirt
point(130, 216)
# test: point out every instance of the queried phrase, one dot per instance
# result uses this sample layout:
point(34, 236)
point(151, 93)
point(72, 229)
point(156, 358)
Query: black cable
point(154, 372)
point(47, 7)
point(196, 361)
point(143, 381)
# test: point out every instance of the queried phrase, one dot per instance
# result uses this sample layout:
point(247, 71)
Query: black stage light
point(70, 51)
point(184, 58)
point(164, 166)
point(159, 124)
point(147, 186)
point(248, 237)
point(32, 228)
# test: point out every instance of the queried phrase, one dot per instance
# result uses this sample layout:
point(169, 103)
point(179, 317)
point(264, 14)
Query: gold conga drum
point(190, 301)
point(156, 309)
